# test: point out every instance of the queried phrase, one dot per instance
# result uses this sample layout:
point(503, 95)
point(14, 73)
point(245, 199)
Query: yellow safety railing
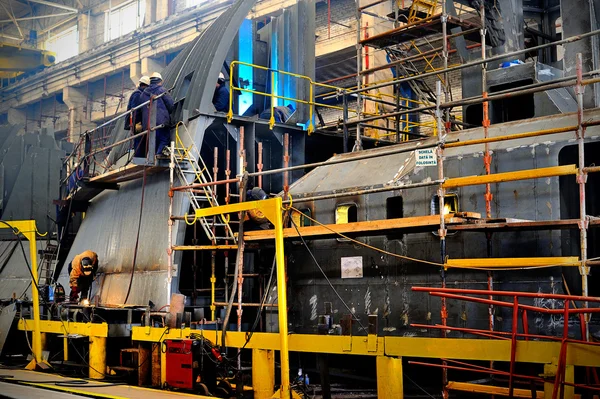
point(311, 102)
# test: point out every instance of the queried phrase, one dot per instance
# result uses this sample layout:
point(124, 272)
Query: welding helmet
point(87, 266)
point(221, 79)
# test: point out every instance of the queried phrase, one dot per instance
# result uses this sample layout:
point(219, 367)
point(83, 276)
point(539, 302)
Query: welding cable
point(416, 260)
point(137, 237)
point(325, 275)
point(260, 309)
point(238, 259)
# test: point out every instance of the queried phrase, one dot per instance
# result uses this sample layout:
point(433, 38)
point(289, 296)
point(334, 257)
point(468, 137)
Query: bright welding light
point(85, 302)
point(447, 209)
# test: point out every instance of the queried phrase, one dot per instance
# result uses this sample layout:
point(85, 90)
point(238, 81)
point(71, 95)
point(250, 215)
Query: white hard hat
point(145, 80)
point(221, 76)
point(156, 75)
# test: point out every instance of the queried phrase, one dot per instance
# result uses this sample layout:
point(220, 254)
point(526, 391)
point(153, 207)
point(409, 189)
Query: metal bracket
point(372, 334)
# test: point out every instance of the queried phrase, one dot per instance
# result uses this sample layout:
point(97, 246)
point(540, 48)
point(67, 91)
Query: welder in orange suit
point(82, 270)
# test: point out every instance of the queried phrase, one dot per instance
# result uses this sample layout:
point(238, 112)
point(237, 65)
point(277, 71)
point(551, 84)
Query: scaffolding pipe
point(581, 180)
point(530, 89)
point(358, 142)
point(441, 199)
point(213, 254)
point(479, 62)
point(170, 223)
point(395, 149)
point(353, 191)
point(539, 295)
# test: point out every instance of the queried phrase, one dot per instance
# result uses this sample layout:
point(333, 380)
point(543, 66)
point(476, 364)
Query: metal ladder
point(425, 6)
point(191, 169)
point(46, 270)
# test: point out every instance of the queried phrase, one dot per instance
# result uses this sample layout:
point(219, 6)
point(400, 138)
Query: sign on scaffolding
point(425, 157)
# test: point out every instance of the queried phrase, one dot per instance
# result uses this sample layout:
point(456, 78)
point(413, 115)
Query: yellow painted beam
point(263, 373)
point(513, 262)
point(355, 227)
point(538, 173)
point(70, 328)
point(234, 208)
point(23, 59)
point(97, 358)
point(390, 384)
point(491, 390)
point(435, 348)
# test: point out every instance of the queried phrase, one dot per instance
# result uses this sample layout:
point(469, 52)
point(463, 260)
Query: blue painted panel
point(245, 73)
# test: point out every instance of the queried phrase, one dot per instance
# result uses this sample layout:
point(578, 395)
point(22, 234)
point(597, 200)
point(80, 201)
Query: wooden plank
point(421, 223)
point(492, 390)
point(510, 225)
point(538, 173)
point(513, 262)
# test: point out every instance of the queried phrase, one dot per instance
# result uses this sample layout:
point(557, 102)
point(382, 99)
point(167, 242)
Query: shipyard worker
point(134, 120)
point(134, 101)
point(221, 96)
point(82, 270)
point(164, 107)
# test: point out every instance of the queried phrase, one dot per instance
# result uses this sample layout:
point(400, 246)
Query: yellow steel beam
point(451, 348)
point(513, 262)
point(491, 390)
point(455, 182)
point(354, 227)
point(390, 384)
point(97, 358)
point(28, 229)
point(20, 59)
point(511, 136)
point(66, 327)
point(263, 373)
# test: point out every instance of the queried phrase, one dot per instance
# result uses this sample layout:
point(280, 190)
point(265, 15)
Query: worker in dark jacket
point(164, 107)
point(221, 96)
point(82, 270)
point(134, 121)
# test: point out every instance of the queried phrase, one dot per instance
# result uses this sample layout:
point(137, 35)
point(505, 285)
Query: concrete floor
point(44, 385)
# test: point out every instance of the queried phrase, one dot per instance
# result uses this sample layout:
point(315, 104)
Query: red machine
point(183, 363)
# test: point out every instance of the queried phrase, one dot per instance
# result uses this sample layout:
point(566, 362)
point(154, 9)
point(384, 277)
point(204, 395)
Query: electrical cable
point(260, 309)
point(325, 275)
point(238, 260)
point(416, 260)
point(137, 238)
point(418, 386)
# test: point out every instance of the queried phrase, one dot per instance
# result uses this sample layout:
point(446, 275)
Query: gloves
point(74, 295)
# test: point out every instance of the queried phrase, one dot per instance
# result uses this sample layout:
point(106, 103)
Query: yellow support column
point(263, 373)
point(66, 348)
point(97, 361)
point(550, 372)
point(282, 301)
point(390, 384)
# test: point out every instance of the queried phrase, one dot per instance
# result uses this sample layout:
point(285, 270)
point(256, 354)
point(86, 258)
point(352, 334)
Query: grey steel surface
point(385, 288)
point(111, 222)
point(7, 316)
point(14, 276)
point(29, 172)
point(22, 391)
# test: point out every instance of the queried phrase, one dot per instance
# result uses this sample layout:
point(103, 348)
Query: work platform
point(127, 173)
point(465, 221)
point(419, 29)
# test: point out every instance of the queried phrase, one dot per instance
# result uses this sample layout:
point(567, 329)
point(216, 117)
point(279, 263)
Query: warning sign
point(426, 157)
